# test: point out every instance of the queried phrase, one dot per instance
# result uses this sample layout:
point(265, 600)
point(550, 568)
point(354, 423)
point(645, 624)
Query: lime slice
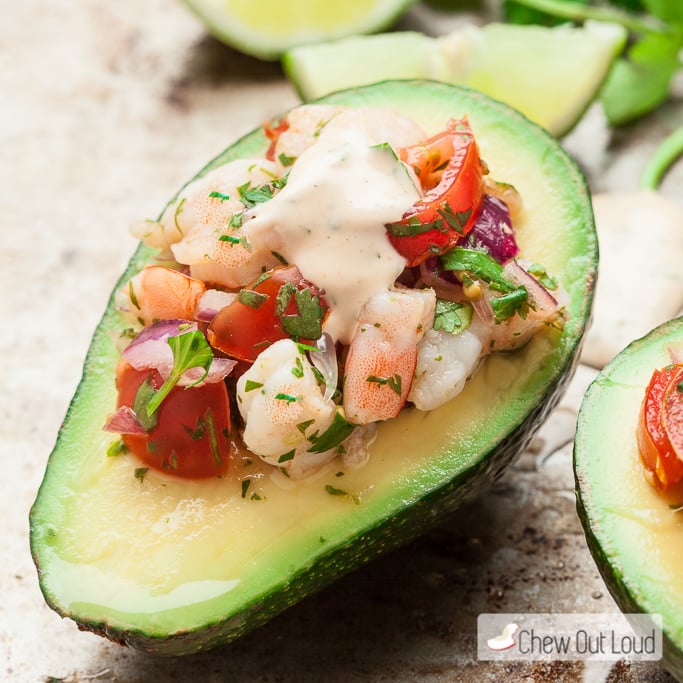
point(267, 28)
point(549, 74)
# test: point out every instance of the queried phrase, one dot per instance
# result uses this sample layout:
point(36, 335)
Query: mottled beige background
point(105, 109)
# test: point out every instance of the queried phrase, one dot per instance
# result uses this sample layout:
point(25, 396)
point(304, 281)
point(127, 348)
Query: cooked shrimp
point(283, 405)
point(383, 353)
point(444, 363)
point(215, 251)
point(210, 201)
point(545, 309)
point(159, 293)
point(303, 127)
point(222, 257)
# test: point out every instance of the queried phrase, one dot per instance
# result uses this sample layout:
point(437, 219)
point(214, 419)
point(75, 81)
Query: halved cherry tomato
point(451, 174)
point(660, 427)
point(273, 130)
point(280, 303)
point(190, 438)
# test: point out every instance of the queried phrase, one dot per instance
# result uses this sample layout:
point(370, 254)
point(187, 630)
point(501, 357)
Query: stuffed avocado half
point(174, 566)
point(632, 527)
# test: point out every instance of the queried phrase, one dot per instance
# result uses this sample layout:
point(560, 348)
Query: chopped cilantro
point(261, 278)
point(285, 397)
point(190, 350)
point(393, 382)
point(143, 396)
point(286, 160)
point(333, 491)
point(250, 298)
point(456, 220)
point(303, 426)
point(233, 239)
point(307, 322)
point(413, 226)
point(236, 220)
point(473, 264)
point(451, 316)
point(477, 265)
point(286, 456)
point(298, 369)
point(506, 305)
point(140, 473)
point(245, 487)
point(199, 431)
point(210, 422)
point(333, 435)
point(117, 448)
point(219, 195)
point(542, 275)
point(251, 196)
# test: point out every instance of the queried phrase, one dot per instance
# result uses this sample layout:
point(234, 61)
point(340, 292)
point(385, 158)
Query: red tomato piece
point(672, 413)
point(273, 130)
point(451, 174)
point(190, 438)
point(279, 304)
point(660, 427)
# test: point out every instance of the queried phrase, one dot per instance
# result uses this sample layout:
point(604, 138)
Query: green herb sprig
point(190, 350)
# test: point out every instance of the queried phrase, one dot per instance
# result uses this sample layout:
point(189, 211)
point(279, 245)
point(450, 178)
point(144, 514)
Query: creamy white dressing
point(330, 217)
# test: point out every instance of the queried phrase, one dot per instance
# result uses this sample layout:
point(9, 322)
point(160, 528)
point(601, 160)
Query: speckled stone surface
point(106, 109)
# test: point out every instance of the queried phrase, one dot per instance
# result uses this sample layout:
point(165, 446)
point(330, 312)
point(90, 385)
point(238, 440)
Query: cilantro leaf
point(393, 382)
point(190, 350)
point(666, 10)
point(339, 430)
point(451, 316)
point(334, 491)
point(306, 323)
point(143, 396)
point(251, 196)
point(641, 82)
point(506, 305)
point(477, 265)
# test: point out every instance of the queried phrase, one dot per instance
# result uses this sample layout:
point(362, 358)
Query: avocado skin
point(622, 587)
point(392, 533)
point(389, 532)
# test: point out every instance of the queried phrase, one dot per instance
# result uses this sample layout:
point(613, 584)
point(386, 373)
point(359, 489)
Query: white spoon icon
point(505, 640)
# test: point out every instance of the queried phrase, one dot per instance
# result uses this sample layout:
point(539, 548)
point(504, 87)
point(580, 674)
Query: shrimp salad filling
point(360, 268)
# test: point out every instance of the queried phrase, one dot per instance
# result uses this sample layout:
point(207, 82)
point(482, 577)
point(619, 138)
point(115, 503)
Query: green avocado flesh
point(174, 566)
point(633, 532)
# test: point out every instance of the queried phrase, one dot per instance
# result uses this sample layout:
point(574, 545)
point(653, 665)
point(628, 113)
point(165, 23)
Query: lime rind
point(268, 28)
point(549, 74)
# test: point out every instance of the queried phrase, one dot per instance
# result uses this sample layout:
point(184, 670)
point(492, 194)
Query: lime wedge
point(549, 74)
point(267, 28)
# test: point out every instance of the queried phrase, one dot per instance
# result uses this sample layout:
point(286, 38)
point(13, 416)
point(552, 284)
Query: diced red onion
point(325, 360)
point(539, 297)
point(211, 302)
point(443, 282)
point(150, 351)
point(123, 421)
point(482, 307)
point(219, 369)
point(493, 230)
